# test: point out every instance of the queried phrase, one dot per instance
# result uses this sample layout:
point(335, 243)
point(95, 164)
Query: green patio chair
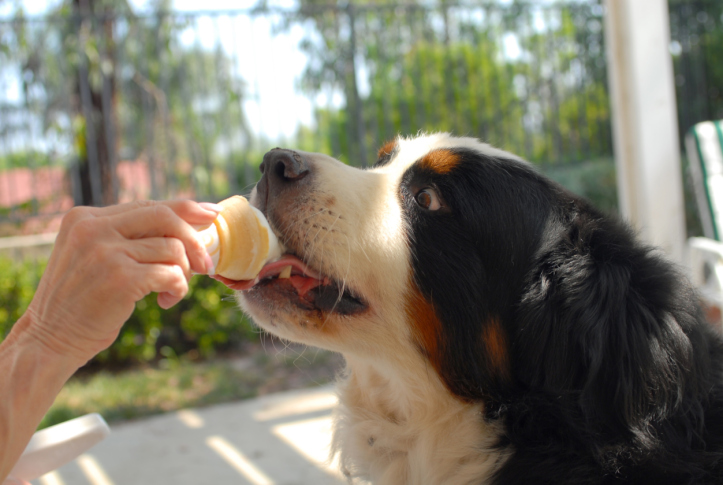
point(704, 147)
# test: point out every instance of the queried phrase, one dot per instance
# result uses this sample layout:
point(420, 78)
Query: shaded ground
point(262, 368)
point(278, 439)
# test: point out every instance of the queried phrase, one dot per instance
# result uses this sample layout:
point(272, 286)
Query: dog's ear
point(602, 328)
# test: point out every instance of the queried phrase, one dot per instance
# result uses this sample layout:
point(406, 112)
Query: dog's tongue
point(302, 277)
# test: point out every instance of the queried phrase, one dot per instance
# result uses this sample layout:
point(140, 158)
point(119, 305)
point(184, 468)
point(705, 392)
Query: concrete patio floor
point(280, 439)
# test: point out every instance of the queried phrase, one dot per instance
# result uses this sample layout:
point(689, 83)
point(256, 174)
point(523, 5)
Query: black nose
point(284, 166)
point(285, 179)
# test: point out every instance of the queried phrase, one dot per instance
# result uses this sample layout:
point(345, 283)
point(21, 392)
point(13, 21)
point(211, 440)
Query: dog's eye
point(428, 199)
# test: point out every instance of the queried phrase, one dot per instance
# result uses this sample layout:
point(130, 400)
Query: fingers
point(161, 221)
point(163, 254)
point(166, 250)
point(157, 235)
point(190, 211)
point(166, 300)
point(147, 219)
point(194, 212)
point(169, 281)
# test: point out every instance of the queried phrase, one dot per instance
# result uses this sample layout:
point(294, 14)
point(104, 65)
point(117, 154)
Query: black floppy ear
point(601, 329)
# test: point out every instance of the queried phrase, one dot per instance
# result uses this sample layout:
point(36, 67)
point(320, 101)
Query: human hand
point(104, 261)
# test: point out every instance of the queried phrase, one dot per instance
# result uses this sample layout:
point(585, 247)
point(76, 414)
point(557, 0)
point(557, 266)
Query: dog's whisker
point(343, 282)
point(247, 188)
point(363, 251)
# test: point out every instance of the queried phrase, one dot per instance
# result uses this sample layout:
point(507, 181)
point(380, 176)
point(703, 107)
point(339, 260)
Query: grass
point(143, 392)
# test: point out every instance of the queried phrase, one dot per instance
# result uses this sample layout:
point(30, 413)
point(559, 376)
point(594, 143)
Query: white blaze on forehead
point(391, 227)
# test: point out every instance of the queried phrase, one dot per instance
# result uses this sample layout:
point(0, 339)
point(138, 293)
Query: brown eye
point(428, 199)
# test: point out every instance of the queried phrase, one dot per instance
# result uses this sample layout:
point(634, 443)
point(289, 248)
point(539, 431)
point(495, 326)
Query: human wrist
point(27, 336)
point(32, 375)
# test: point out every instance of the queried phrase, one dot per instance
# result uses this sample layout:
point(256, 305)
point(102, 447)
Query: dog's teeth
point(285, 273)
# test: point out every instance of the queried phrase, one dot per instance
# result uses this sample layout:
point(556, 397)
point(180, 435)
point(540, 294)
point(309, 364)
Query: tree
point(697, 44)
point(443, 67)
point(120, 85)
point(95, 97)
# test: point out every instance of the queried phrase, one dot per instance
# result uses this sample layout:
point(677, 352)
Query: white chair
point(53, 447)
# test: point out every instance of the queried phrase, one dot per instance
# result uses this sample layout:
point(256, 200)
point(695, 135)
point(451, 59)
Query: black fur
point(614, 376)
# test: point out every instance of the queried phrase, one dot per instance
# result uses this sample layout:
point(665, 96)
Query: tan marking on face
point(387, 149)
point(495, 343)
point(427, 328)
point(440, 161)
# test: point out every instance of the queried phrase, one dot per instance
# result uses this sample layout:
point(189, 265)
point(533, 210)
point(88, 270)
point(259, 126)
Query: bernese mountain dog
point(497, 329)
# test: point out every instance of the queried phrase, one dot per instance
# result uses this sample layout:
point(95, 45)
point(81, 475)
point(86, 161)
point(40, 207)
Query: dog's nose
point(282, 166)
point(286, 176)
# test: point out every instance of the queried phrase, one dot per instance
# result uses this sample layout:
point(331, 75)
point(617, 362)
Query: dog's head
point(423, 248)
point(464, 257)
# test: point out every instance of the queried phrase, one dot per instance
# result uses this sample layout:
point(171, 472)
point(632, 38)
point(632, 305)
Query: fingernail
point(210, 206)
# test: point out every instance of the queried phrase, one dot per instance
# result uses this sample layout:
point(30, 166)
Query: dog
point(497, 329)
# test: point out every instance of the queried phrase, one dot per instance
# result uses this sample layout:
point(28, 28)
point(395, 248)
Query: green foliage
point(697, 37)
point(206, 321)
point(147, 390)
point(453, 94)
point(27, 158)
point(137, 393)
point(178, 106)
point(437, 68)
point(18, 281)
point(594, 180)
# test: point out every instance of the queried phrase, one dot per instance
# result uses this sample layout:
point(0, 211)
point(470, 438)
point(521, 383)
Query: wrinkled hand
point(104, 261)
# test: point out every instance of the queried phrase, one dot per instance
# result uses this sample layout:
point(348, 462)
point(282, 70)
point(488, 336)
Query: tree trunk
point(95, 105)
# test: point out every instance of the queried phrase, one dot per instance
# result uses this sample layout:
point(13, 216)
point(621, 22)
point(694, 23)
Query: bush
point(595, 180)
point(18, 281)
point(205, 322)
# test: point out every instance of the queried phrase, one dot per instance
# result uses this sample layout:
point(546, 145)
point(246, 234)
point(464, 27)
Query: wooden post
point(645, 126)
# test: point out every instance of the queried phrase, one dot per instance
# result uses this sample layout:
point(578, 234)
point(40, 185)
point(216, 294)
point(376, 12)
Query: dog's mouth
point(292, 279)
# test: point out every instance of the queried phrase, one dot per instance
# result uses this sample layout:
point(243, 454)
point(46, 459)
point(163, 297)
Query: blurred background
point(106, 101)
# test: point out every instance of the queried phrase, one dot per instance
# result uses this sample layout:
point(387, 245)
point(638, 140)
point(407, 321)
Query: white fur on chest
point(392, 434)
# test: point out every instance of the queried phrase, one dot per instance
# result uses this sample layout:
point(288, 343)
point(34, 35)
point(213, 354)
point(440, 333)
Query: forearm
point(30, 378)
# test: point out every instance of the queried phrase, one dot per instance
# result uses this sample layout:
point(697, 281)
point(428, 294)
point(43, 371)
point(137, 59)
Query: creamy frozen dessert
point(240, 241)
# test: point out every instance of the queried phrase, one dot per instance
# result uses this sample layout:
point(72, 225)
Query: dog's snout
point(286, 166)
point(286, 176)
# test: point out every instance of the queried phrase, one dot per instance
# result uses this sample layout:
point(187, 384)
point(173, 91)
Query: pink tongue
point(288, 260)
point(303, 283)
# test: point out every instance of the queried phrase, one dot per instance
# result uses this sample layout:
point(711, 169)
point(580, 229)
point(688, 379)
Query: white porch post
point(645, 126)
